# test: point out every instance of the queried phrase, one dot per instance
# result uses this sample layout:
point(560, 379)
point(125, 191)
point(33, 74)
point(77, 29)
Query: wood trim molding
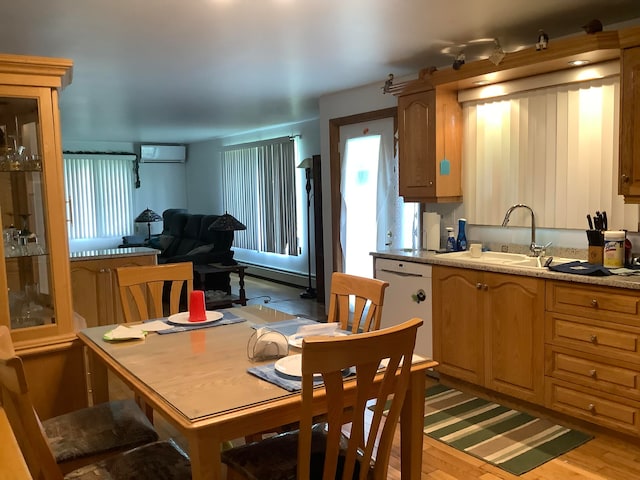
point(334, 166)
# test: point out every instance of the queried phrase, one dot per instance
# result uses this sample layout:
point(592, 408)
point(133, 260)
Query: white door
point(373, 216)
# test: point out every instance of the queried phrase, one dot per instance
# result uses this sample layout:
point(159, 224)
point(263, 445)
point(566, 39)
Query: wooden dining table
point(198, 381)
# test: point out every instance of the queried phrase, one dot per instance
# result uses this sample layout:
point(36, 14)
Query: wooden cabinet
point(458, 330)
point(629, 160)
point(430, 146)
point(489, 330)
point(592, 354)
point(95, 287)
point(35, 294)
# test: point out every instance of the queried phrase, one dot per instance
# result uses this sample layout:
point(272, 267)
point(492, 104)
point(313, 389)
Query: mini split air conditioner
point(163, 153)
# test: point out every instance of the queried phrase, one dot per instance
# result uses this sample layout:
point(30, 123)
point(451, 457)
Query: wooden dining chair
point(365, 294)
point(142, 289)
point(323, 452)
point(62, 447)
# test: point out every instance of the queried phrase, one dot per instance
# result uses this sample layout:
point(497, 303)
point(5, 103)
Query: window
point(99, 191)
point(260, 191)
point(554, 149)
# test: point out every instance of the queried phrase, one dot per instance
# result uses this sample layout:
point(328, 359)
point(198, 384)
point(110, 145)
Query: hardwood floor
point(608, 456)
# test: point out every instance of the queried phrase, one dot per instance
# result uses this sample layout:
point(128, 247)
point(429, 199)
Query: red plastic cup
point(197, 312)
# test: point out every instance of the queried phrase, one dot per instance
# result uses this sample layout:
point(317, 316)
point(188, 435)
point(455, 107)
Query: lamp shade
point(148, 216)
point(306, 163)
point(227, 223)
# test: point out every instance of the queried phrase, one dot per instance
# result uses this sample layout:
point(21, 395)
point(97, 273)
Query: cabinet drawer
point(594, 336)
point(610, 411)
point(614, 304)
point(592, 372)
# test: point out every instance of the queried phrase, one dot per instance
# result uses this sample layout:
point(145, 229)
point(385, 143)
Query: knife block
point(595, 254)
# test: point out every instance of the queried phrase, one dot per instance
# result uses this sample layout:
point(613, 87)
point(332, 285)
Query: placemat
point(269, 373)
point(228, 318)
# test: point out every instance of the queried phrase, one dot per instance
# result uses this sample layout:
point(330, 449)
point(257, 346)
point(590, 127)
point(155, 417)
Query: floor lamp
point(310, 292)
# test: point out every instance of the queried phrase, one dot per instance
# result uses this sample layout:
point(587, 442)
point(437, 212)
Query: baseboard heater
point(276, 275)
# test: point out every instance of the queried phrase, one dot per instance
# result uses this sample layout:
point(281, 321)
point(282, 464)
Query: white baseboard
point(282, 276)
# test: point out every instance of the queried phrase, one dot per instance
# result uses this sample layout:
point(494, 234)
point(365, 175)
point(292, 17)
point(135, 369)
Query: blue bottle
point(461, 242)
point(451, 240)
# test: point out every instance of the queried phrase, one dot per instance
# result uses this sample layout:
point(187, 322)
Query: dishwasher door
point(408, 296)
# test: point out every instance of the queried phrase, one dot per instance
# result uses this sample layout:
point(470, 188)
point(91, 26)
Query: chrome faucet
point(536, 250)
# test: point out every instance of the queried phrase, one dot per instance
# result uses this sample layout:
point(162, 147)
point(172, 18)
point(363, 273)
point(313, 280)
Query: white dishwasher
point(408, 295)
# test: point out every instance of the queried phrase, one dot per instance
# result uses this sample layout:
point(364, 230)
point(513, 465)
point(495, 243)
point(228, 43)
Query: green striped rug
point(509, 439)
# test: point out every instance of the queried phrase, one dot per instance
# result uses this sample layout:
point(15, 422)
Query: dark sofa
point(186, 238)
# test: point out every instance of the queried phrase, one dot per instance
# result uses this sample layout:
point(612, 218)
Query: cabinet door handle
point(625, 178)
point(485, 287)
point(594, 339)
point(594, 303)
point(593, 373)
point(592, 408)
point(478, 285)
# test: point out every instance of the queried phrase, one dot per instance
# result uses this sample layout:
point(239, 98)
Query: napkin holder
point(265, 344)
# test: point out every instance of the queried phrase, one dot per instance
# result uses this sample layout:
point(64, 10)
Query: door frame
point(335, 170)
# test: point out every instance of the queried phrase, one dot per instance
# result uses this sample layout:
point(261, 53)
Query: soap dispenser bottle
point(451, 240)
point(461, 243)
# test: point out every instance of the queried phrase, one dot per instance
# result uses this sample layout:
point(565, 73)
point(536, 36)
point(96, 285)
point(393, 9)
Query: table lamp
point(227, 223)
point(148, 216)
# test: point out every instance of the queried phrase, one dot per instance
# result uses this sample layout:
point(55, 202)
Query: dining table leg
point(98, 379)
point(204, 453)
point(411, 428)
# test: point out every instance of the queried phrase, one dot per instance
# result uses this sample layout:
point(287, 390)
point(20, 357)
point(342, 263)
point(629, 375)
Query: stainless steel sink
point(506, 259)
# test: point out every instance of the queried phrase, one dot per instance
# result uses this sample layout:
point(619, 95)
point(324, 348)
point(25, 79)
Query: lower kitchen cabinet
point(95, 286)
point(489, 330)
point(592, 354)
point(458, 339)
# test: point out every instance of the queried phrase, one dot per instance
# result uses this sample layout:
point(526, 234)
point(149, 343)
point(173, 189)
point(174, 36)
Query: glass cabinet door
point(22, 206)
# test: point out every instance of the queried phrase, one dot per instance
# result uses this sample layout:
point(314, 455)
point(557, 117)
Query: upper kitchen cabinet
point(430, 115)
point(430, 156)
point(35, 294)
point(629, 166)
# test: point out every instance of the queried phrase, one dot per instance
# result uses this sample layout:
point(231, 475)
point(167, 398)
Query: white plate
point(182, 318)
point(295, 340)
point(290, 365)
point(385, 361)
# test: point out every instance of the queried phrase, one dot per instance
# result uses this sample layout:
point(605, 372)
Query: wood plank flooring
point(608, 456)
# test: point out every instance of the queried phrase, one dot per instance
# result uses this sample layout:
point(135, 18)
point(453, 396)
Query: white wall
point(204, 192)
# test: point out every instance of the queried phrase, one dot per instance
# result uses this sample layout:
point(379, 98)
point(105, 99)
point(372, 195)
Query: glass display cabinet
point(35, 293)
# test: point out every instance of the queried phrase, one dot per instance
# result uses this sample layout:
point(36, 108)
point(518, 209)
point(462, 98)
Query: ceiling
point(180, 71)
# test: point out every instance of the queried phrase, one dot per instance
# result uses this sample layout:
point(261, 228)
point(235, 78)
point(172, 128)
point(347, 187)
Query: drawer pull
point(485, 287)
point(594, 339)
point(594, 303)
point(478, 285)
point(592, 408)
point(593, 373)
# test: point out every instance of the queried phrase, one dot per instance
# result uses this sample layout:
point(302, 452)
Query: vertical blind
point(260, 190)
point(554, 149)
point(100, 196)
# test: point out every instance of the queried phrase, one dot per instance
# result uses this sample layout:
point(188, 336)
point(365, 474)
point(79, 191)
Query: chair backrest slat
point(330, 356)
point(367, 295)
point(142, 287)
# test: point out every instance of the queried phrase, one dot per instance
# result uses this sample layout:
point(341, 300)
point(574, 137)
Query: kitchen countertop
point(421, 256)
point(112, 253)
